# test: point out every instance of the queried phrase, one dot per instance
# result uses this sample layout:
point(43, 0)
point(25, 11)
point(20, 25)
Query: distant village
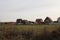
point(47, 20)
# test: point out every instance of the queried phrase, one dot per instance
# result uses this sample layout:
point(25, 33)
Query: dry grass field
point(29, 32)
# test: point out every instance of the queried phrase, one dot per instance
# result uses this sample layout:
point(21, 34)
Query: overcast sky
point(10, 10)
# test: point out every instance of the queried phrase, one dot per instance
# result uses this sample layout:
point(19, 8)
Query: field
point(29, 32)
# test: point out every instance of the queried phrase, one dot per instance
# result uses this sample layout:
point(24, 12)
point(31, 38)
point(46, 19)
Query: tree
point(24, 21)
point(19, 21)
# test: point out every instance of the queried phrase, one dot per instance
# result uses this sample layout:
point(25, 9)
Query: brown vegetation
point(11, 32)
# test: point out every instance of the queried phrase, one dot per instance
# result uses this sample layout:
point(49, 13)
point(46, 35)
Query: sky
point(10, 10)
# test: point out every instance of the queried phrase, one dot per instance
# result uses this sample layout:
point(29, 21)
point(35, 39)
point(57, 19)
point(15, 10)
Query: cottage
point(48, 20)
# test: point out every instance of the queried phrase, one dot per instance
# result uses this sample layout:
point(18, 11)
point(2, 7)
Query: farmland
point(29, 32)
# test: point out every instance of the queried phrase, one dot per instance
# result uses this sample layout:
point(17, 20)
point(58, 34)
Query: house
point(39, 21)
point(58, 20)
point(48, 20)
